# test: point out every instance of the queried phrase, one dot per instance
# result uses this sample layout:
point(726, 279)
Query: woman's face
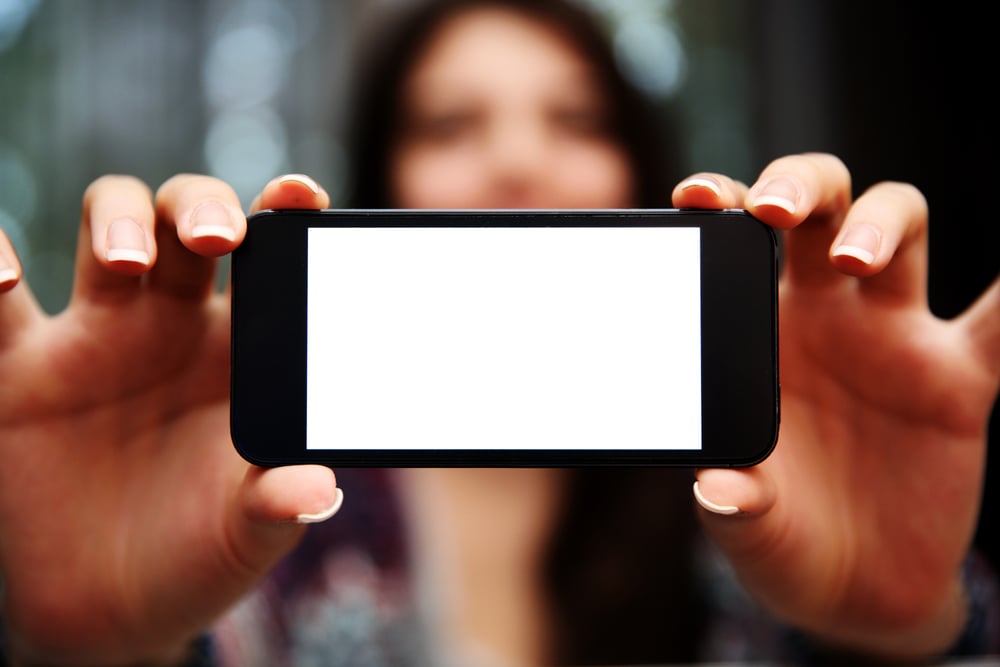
point(500, 111)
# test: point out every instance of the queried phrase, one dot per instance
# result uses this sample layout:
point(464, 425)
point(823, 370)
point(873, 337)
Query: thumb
point(734, 507)
point(273, 507)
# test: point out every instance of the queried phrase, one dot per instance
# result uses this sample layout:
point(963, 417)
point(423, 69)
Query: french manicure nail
point(7, 276)
point(780, 193)
point(126, 242)
point(212, 219)
point(323, 515)
point(302, 179)
point(860, 242)
point(702, 182)
point(715, 508)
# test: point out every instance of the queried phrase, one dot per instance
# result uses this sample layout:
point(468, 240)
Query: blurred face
point(500, 111)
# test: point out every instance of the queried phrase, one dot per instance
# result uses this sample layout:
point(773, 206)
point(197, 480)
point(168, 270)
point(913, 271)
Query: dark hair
point(391, 47)
point(618, 568)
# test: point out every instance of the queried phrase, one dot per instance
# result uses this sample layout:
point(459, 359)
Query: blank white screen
point(504, 338)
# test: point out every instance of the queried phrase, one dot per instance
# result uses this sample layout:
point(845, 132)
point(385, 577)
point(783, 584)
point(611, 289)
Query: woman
point(540, 130)
point(838, 533)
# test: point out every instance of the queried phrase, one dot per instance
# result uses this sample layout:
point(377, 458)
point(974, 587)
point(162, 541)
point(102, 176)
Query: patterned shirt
point(344, 597)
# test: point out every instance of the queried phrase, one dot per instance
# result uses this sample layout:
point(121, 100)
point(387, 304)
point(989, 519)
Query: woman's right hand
point(128, 522)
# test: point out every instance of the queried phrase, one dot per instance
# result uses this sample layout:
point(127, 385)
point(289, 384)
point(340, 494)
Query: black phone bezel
point(740, 389)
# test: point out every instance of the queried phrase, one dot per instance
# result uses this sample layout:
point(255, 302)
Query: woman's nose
point(518, 155)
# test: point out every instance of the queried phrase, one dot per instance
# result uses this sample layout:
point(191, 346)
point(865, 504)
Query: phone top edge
point(499, 211)
point(481, 217)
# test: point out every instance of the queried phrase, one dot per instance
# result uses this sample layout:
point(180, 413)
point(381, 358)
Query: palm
point(124, 469)
point(881, 434)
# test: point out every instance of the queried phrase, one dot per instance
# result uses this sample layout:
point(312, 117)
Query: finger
point(726, 492)
point(982, 322)
point(291, 191)
point(708, 190)
point(738, 510)
point(198, 219)
point(10, 267)
point(884, 240)
point(273, 507)
point(809, 193)
point(18, 307)
point(116, 241)
point(796, 188)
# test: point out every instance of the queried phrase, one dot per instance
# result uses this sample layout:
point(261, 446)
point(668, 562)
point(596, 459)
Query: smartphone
point(505, 338)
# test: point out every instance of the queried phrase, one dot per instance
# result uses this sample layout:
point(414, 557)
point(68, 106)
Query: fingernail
point(212, 219)
point(781, 193)
point(715, 508)
point(301, 179)
point(126, 242)
point(702, 182)
point(7, 276)
point(860, 242)
point(318, 517)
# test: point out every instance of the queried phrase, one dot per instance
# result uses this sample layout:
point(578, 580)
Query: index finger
point(291, 191)
point(708, 190)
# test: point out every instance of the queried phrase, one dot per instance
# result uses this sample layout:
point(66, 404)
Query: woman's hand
point(127, 520)
point(855, 527)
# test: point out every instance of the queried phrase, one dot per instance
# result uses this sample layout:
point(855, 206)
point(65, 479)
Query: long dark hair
point(388, 50)
point(618, 567)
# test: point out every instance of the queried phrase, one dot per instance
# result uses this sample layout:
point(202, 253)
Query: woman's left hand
point(855, 527)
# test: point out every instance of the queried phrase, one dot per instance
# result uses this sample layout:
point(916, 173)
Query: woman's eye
point(587, 122)
point(443, 127)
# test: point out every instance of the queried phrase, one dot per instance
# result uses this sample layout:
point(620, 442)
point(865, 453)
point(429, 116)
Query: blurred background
point(248, 90)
